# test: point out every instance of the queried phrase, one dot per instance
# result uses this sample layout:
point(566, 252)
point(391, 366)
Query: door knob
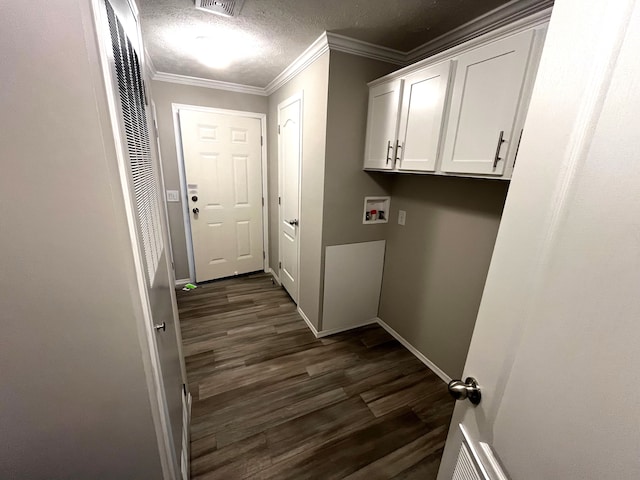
point(465, 390)
point(196, 211)
point(293, 223)
point(162, 326)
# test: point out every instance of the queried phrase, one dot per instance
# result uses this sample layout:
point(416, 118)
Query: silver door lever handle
point(293, 223)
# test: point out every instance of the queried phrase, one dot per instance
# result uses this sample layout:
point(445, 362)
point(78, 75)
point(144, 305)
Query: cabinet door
point(382, 125)
point(423, 102)
point(488, 84)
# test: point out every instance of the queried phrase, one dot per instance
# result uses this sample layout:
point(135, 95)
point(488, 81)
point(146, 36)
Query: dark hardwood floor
point(272, 401)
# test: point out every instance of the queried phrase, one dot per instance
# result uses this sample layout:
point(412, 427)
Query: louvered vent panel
point(227, 8)
point(141, 167)
point(465, 467)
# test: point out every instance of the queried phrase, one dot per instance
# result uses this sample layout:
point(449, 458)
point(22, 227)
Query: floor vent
point(226, 8)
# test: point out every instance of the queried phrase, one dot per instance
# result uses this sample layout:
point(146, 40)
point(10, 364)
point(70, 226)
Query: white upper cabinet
point(482, 135)
point(382, 125)
point(460, 112)
point(423, 103)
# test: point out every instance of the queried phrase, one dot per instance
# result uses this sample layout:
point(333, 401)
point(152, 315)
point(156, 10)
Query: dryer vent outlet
point(226, 8)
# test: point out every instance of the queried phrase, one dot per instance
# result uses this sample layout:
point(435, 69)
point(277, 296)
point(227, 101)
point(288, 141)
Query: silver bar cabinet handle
point(398, 146)
point(389, 147)
point(497, 158)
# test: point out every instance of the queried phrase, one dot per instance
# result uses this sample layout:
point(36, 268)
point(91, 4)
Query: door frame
point(175, 113)
point(289, 100)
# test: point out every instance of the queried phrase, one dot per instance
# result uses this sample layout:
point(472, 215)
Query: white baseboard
point(185, 452)
point(432, 366)
point(308, 322)
point(326, 333)
point(333, 331)
point(273, 274)
point(428, 363)
point(182, 281)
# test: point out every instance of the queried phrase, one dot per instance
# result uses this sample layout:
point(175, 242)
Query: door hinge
point(184, 389)
point(261, 140)
point(263, 201)
point(280, 265)
point(278, 129)
point(264, 256)
point(279, 201)
point(173, 266)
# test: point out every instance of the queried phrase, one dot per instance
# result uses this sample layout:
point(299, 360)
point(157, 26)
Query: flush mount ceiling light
point(214, 46)
point(224, 47)
point(211, 52)
point(226, 8)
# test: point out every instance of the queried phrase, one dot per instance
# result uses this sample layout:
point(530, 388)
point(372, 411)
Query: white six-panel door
point(290, 156)
point(223, 171)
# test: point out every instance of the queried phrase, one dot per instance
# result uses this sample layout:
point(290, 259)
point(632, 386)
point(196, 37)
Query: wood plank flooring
point(272, 401)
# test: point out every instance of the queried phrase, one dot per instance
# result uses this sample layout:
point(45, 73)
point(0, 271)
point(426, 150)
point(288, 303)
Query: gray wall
point(74, 397)
point(345, 183)
point(313, 82)
point(164, 94)
point(436, 265)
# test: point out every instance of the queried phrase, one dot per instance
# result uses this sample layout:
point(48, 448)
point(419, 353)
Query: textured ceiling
point(270, 34)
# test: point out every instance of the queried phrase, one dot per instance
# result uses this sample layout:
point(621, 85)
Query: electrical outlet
point(402, 217)
point(173, 196)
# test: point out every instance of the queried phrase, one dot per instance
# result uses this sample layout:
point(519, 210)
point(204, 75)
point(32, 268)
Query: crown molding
point(508, 18)
point(207, 83)
point(306, 58)
point(353, 46)
point(324, 43)
point(537, 20)
point(333, 41)
point(506, 14)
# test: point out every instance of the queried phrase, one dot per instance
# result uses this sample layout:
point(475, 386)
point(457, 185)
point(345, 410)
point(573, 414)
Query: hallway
point(272, 401)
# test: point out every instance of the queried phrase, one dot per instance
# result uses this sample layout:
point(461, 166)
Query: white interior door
point(290, 157)
point(484, 102)
point(223, 171)
point(555, 348)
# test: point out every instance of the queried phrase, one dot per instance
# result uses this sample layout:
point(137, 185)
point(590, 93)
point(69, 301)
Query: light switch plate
point(173, 196)
point(402, 217)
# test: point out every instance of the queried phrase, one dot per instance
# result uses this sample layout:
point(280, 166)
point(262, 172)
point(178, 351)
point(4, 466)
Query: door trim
point(167, 237)
point(175, 111)
point(293, 98)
